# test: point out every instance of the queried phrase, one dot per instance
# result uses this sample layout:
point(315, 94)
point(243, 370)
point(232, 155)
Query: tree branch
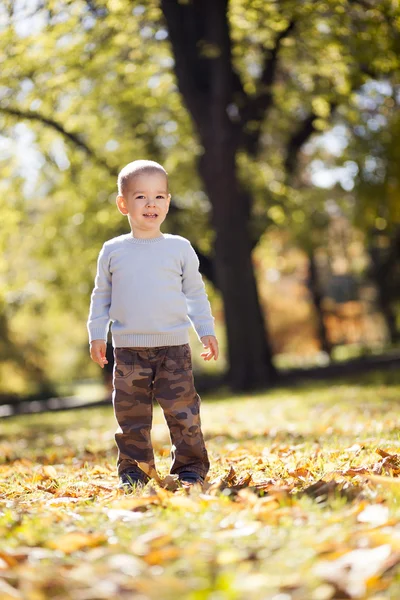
point(255, 107)
point(71, 137)
point(296, 141)
point(299, 138)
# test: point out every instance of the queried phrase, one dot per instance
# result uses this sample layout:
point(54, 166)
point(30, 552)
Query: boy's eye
point(141, 196)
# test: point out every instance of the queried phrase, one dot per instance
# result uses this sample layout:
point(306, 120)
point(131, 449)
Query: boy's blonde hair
point(137, 167)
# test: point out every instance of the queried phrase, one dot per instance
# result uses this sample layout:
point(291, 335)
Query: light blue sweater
point(151, 291)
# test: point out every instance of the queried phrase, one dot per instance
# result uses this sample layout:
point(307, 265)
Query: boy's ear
point(121, 204)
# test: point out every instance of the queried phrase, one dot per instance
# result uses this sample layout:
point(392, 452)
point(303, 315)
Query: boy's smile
point(145, 202)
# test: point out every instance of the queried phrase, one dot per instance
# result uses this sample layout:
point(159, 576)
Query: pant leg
point(175, 392)
point(133, 408)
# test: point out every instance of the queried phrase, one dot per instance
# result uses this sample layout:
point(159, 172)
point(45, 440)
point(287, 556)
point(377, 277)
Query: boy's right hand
point(98, 352)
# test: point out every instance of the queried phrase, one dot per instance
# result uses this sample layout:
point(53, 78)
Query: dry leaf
point(7, 592)
point(374, 514)
point(162, 555)
point(62, 500)
point(322, 490)
point(386, 481)
point(70, 542)
point(301, 473)
point(265, 507)
point(11, 560)
point(378, 537)
point(385, 454)
point(150, 542)
point(183, 502)
point(114, 514)
point(351, 572)
point(354, 471)
point(49, 471)
point(170, 482)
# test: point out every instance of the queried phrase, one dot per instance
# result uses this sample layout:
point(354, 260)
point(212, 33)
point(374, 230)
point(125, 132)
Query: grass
point(302, 502)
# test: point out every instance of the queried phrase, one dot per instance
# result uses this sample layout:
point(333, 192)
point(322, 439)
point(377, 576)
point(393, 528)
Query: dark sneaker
point(130, 480)
point(190, 478)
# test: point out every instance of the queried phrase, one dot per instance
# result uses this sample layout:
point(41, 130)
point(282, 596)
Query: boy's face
point(145, 202)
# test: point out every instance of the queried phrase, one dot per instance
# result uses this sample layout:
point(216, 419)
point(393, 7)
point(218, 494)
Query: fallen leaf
point(49, 472)
point(183, 502)
point(351, 572)
point(76, 540)
point(356, 448)
point(383, 480)
point(265, 507)
point(62, 500)
point(7, 592)
point(378, 537)
point(374, 514)
point(322, 490)
point(162, 555)
point(150, 542)
point(169, 482)
point(353, 471)
point(115, 514)
point(12, 559)
point(301, 473)
point(385, 454)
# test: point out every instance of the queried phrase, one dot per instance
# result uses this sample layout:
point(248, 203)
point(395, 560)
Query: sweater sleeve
point(199, 309)
point(99, 319)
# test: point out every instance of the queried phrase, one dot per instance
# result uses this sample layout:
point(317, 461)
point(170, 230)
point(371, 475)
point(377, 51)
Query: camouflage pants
point(164, 373)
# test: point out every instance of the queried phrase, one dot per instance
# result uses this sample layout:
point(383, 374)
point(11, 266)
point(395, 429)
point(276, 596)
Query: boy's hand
point(210, 343)
point(98, 352)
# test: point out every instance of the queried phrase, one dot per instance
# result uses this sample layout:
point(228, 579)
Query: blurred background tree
point(242, 102)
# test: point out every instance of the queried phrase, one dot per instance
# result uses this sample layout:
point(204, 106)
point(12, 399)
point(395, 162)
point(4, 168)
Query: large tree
point(230, 118)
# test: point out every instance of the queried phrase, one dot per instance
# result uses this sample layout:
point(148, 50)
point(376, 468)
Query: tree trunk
point(249, 354)
point(388, 313)
point(200, 39)
point(383, 273)
point(316, 295)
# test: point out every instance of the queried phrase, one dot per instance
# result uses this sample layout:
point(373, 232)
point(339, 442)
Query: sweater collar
point(136, 240)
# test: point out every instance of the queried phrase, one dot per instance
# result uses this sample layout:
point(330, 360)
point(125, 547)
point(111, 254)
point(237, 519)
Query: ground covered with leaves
point(301, 503)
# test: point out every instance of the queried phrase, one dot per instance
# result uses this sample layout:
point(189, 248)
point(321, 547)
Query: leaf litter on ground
point(296, 506)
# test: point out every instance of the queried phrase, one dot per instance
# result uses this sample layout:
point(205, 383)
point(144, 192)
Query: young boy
point(149, 286)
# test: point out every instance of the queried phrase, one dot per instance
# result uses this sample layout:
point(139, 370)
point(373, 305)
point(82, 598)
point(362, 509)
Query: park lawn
point(302, 502)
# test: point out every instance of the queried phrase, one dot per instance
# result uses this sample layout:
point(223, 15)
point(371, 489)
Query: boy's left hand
point(210, 343)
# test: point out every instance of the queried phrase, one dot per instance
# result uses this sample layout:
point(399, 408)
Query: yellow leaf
point(387, 481)
point(151, 541)
point(183, 502)
point(9, 559)
point(161, 555)
point(301, 473)
point(379, 538)
point(76, 540)
point(265, 509)
point(7, 592)
point(49, 471)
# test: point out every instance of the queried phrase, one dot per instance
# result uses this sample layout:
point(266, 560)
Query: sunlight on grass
point(301, 503)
